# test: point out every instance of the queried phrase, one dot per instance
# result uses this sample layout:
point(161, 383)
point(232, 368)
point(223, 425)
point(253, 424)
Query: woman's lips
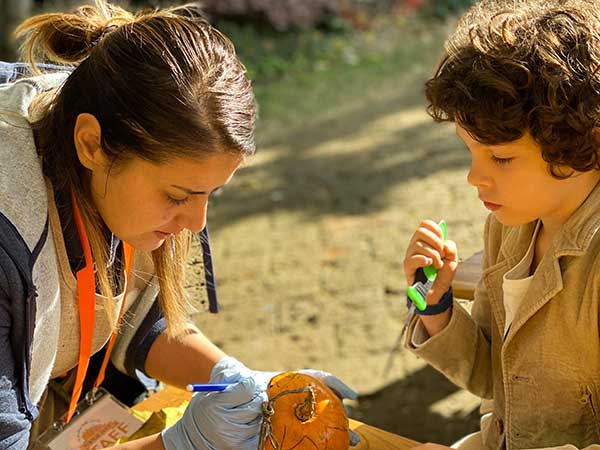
point(491, 206)
point(162, 234)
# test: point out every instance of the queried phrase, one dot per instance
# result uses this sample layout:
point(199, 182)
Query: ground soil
point(308, 242)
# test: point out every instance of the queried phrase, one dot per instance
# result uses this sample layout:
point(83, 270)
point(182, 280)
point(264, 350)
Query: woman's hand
point(427, 247)
point(215, 420)
point(232, 418)
point(230, 369)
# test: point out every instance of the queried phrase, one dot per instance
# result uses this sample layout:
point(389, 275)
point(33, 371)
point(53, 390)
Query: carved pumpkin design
point(302, 414)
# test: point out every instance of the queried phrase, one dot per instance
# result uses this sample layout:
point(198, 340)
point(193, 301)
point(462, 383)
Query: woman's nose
point(194, 216)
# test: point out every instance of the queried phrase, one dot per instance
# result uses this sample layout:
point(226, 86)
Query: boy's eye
point(501, 160)
point(177, 201)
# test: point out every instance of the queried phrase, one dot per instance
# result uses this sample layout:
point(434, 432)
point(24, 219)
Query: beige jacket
point(544, 377)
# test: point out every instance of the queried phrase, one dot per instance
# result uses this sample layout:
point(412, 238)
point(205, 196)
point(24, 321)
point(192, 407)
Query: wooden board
point(371, 438)
point(467, 276)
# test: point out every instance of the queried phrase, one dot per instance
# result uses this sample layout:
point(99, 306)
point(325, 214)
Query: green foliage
point(282, 15)
point(344, 40)
point(442, 9)
point(383, 60)
point(270, 55)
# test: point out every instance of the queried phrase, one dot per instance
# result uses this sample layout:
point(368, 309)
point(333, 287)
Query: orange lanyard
point(86, 291)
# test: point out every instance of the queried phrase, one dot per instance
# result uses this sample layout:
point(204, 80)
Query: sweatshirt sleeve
point(10, 72)
point(14, 424)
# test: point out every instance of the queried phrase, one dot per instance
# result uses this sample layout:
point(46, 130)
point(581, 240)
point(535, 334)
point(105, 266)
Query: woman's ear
point(86, 136)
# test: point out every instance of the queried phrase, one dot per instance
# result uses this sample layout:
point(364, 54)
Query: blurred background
point(308, 238)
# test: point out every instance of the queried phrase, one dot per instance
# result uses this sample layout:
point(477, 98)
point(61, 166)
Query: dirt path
point(308, 241)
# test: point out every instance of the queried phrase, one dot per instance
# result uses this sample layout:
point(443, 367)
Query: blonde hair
point(162, 84)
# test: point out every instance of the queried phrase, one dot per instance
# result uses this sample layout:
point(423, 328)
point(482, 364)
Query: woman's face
point(144, 203)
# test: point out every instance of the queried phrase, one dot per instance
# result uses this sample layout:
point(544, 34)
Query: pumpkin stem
point(306, 410)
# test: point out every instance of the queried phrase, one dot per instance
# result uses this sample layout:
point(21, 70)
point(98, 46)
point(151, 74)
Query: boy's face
point(514, 182)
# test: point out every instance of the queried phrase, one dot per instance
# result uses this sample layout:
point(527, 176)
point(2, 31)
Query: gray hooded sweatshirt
point(29, 273)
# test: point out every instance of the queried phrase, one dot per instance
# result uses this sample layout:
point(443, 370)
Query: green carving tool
point(418, 291)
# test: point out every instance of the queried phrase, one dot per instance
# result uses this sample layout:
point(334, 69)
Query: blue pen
point(207, 387)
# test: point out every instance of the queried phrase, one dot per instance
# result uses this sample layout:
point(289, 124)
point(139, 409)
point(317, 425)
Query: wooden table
point(467, 276)
point(371, 438)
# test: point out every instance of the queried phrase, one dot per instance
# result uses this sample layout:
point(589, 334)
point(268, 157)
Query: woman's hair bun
point(68, 38)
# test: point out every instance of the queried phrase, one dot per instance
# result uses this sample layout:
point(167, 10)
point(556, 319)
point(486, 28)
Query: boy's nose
point(477, 178)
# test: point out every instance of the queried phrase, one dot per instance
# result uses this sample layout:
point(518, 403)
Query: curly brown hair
point(517, 66)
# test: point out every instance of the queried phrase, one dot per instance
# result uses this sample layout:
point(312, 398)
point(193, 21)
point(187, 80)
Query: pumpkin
point(302, 414)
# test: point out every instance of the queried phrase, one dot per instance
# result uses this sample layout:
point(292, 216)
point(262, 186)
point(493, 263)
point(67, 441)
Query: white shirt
point(516, 282)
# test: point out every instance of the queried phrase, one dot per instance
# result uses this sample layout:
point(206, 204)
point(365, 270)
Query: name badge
point(99, 421)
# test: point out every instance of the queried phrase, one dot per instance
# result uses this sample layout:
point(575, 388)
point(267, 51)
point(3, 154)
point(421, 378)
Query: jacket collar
point(576, 234)
point(574, 238)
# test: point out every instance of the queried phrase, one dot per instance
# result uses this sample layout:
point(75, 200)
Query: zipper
point(25, 405)
point(30, 310)
point(29, 321)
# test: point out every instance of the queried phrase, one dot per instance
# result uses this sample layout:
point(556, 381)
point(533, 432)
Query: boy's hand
point(427, 247)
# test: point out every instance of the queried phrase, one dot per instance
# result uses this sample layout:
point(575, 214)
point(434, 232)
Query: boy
point(521, 82)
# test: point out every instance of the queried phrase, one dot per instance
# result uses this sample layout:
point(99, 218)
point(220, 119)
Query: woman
point(106, 169)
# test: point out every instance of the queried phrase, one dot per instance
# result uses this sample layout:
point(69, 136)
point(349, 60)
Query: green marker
point(418, 291)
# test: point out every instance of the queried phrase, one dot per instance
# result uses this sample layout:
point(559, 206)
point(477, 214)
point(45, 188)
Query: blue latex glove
point(232, 418)
point(229, 369)
point(219, 420)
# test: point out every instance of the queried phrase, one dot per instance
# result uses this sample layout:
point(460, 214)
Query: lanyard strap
point(86, 291)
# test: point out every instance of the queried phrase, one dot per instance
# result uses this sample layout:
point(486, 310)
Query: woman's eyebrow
point(192, 192)
point(189, 191)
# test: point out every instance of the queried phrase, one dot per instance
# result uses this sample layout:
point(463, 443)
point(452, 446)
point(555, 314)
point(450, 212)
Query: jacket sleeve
point(462, 350)
point(14, 424)
point(568, 447)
